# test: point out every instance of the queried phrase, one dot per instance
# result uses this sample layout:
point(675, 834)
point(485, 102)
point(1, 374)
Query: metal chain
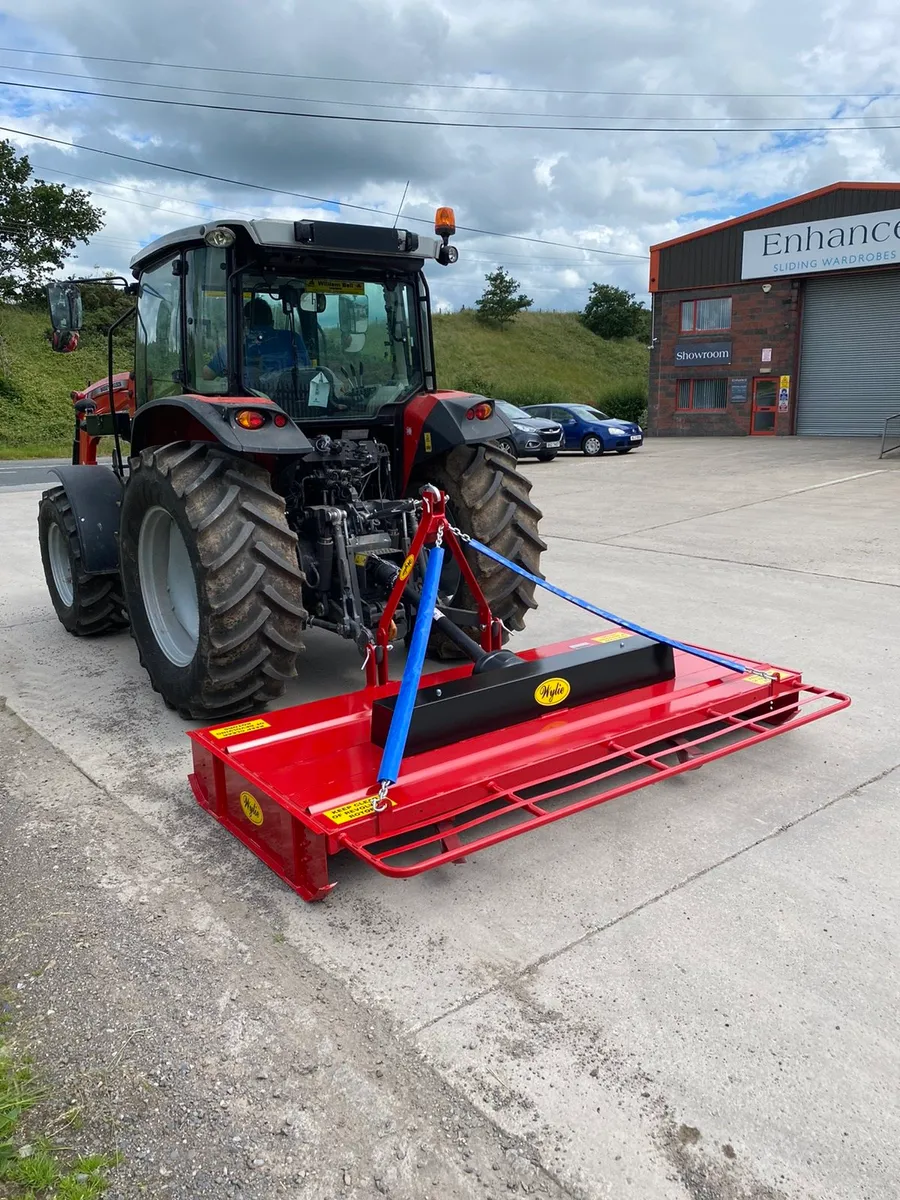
point(463, 537)
point(381, 801)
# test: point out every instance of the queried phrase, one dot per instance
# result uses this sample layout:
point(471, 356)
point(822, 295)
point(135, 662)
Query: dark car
point(530, 435)
point(589, 430)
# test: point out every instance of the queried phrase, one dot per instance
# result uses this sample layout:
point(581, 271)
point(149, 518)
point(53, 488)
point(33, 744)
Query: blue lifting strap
point(608, 616)
point(395, 743)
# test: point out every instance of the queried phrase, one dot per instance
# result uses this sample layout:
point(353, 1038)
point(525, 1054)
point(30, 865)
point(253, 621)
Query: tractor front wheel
point(211, 579)
point(85, 604)
point(488, 499)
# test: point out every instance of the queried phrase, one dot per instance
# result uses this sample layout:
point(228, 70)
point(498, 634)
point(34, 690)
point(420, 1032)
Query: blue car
point(590, 430)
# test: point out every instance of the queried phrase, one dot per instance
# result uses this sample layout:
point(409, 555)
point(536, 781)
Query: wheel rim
point(168, 588)
point(592, 445)
point(508, 447)
point(60, 564)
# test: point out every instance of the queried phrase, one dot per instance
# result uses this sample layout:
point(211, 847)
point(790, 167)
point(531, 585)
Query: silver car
point(529, 436)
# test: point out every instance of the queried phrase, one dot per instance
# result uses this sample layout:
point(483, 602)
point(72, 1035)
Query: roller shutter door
point(850, 359)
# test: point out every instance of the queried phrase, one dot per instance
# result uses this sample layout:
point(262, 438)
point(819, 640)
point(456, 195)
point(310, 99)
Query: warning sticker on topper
point(353, 811)
point(227, 731)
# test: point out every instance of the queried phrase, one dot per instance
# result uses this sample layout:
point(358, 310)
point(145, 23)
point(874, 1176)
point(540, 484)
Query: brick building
point(782, 321)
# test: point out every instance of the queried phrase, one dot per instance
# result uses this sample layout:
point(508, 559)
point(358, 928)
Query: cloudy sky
point(774, 67)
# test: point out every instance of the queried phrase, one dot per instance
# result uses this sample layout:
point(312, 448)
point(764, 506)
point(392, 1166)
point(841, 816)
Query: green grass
point(35, 409)
point(32, 1165)
point(542, 358)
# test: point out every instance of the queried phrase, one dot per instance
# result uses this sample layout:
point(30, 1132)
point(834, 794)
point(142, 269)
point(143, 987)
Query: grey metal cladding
point(714, 258)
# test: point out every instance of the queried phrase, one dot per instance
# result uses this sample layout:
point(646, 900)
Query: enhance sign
point(837, 244)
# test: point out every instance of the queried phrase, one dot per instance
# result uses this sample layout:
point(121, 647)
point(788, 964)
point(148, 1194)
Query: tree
point(612, 312)
point(499, 305)
point(40, 225)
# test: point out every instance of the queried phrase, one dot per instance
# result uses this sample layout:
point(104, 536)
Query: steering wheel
point(279, 386)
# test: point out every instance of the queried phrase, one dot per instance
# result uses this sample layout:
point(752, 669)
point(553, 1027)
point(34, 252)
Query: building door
point(765, 405)
point(850, 356)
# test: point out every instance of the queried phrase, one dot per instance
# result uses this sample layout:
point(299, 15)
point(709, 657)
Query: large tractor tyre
point(211, 580)
point(489, 500)
point(85, 604)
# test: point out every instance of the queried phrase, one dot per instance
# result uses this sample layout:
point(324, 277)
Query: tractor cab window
point(326, 347)
point(157, 359)
point(207, 321)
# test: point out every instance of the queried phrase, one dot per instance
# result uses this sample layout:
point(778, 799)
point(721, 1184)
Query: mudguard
point(207, 418)
point(435, 422)
point(96, 498)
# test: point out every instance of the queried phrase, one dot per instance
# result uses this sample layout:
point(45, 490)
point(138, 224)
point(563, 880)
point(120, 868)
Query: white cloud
point(607, 191)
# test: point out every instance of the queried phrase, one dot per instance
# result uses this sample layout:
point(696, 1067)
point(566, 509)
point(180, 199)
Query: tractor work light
point(219, 239)
point(248, 419)
point(445, 222)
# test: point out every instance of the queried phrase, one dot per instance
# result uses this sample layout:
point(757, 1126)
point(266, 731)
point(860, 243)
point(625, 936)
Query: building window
point(702, 316)
point(702, 395)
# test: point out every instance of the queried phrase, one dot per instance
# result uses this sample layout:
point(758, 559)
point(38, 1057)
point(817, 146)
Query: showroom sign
point(837, 244)
point(696, 354)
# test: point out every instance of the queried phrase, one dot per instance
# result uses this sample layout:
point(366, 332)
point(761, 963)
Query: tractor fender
point(211, 419)
point(435, 422)
point(95, 494)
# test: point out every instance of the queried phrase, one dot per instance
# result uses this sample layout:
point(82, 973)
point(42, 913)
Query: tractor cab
point(325, 320)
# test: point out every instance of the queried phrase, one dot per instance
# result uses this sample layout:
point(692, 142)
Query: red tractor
point(282, 419)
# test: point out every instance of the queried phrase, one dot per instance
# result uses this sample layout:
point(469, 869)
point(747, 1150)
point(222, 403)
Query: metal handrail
point(889, 449)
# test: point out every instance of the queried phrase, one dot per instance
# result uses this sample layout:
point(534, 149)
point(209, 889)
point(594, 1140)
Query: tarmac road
point(685, 994)
point(27, 473)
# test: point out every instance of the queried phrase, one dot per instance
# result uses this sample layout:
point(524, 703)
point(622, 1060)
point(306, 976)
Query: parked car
point(589, 430)
point(530, 435)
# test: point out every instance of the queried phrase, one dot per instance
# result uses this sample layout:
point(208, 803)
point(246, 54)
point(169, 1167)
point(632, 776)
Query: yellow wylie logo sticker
point(552, 691)
point(251, 809)
point(406, 569)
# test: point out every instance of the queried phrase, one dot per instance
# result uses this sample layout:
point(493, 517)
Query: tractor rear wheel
point(489, 500)
point(85, 604)
point(211, 579)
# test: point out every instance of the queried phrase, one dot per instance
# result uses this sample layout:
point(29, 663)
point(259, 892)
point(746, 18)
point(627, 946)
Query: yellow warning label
point(427, 443)
point(227, 731)
point(757, 677)
point(353, 810)
point(251, 809)
point(552, 691)
point(335, 287)
point(406, 569)
point(613, 636)
point(360, 559)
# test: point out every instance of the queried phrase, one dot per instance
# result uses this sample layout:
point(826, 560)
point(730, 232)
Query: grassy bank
point(542, 358)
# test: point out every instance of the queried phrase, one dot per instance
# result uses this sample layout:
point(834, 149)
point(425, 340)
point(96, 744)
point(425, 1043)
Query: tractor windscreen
point(328, 347)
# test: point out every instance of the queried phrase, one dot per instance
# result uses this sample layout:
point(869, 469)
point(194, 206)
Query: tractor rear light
point(484, 411)
point(248, 419)
point(280, 420)
point(470, 415)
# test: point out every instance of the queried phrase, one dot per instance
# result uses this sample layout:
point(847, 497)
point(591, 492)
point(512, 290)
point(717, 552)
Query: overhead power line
point(470, 87)
point(145, 162)
point(415, 121)
point(475, 112)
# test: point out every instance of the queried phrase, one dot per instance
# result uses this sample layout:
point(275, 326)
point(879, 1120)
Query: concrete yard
point(689, 993)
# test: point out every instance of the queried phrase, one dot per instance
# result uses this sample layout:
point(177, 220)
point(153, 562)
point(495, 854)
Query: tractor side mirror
point(66, 315)
point(353, 312)
point(313, 302)
point(64, 342)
